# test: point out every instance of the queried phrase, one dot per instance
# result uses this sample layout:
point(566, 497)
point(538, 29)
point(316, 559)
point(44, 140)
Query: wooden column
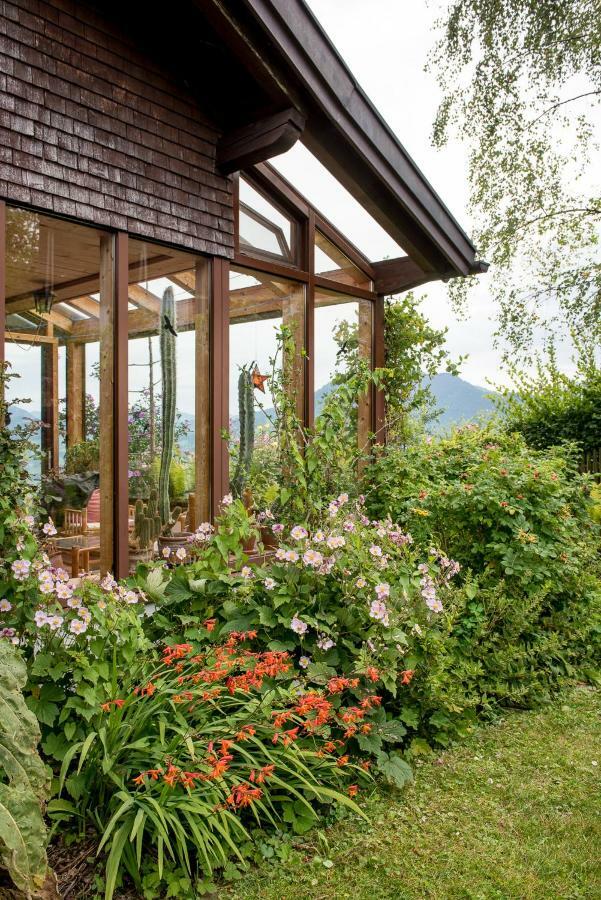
point(121, 401)
point(379, 357)
point(107, 385)
point(310, 324)
point(364, 410)
point(113, 404)
point(49, 395)
point(293, 317)
point(76, 393)
point(202, 394)
point(219, 363)
point(2, 280)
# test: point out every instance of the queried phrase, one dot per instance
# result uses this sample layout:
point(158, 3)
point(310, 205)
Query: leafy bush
point(550, 407)
point(24, 781)
point(528, 613)
point(195, 746)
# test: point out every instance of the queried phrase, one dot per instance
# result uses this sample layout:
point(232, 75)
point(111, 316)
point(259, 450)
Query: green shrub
point(194, 747)
point(24, 781)
point(528, 613)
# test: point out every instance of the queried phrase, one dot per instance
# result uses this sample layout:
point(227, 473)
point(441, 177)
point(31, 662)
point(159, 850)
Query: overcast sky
point(385, 43)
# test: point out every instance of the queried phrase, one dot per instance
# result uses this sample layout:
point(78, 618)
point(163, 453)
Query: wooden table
point(79, 546)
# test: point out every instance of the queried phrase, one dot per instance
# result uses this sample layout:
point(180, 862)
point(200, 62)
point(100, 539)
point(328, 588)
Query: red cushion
point(94, 507)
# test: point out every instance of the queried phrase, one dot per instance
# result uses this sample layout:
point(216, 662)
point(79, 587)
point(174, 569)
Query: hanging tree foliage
point(521, 83)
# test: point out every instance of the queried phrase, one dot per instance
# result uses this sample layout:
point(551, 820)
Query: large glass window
point(57, 287)
point(168, 397)
point(333, 264)
point(343, 335)
point(263, 309)
point(264, 229)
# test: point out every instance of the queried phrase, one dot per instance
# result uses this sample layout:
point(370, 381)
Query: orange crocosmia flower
point(118, 703)
point(172, 776)
point(342, 760)
point(224, 747)
point(372, 673)
point(210, 624)
point(220, 767)
point(366, 764)
point(353, 790)
point(105, 707)
point(366, 728)
point(407, 675)
point(290, 736)
point(338, 684)
point(139, 779)
point(243, 795)
point(329, 746)
point(154, 773)
point(188, 778)
point(280, 718)
point(245, 733)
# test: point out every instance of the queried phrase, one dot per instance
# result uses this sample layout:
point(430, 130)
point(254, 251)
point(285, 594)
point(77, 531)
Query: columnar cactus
point(147, 525)
point(246, 414)
point(167, 336)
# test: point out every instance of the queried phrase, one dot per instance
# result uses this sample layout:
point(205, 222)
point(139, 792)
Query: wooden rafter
point(259, 140)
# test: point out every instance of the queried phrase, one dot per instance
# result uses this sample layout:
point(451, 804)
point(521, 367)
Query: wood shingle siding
point(93, 128)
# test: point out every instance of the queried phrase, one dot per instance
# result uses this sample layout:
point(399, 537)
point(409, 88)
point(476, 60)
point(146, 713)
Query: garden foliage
point(24, 780)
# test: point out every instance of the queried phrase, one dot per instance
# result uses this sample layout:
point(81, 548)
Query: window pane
point(167, 319)
point(264, 229)
point(343, 333)
point(259, 306)
point(330, 262)
point(53, 269)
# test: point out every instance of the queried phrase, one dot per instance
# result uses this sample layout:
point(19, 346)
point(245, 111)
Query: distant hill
point(459, 400)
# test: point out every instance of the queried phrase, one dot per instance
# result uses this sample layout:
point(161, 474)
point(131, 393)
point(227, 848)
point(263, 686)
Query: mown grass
point(514, 812)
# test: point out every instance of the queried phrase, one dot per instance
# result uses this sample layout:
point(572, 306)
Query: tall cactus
point(246, 415)
point(167, 335)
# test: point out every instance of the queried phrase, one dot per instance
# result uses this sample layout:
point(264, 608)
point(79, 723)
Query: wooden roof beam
point(392, 276)
point(260, 140)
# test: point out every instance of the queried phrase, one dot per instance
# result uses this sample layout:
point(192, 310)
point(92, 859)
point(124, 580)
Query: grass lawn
point(515, 812)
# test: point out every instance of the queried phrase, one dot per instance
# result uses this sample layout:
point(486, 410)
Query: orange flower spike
point(225, 746)
point(172, 776)
point(139, 779)
point(407, 675)
point(154, 773)
point(329, 746)
point(209, 624)
point(366, 728)
point(353, 790)
point(365, 765)
point(118, 703)
point(105, 707)
point(372, 673)
point(342, 761)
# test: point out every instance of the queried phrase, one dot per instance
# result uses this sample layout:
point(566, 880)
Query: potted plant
point(147, 525)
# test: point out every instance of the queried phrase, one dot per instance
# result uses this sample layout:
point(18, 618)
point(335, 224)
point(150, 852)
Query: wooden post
point(379, 357)
point(202, 396)
point(293, 316)
point(121, 408)
point(219, 362)
point(2, 281)
point(310, 324)
point(364, 410)
point(107, 405)
point(76, 394)
point(49, 394)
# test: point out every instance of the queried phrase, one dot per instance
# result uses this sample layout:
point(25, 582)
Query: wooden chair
point(75, 521)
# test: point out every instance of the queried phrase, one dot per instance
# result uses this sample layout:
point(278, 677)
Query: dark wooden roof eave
point(345, 130)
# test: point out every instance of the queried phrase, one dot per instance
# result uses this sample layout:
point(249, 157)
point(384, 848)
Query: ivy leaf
point(394, 768)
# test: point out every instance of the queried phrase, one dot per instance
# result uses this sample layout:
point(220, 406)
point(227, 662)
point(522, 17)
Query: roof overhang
point(284, 48)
